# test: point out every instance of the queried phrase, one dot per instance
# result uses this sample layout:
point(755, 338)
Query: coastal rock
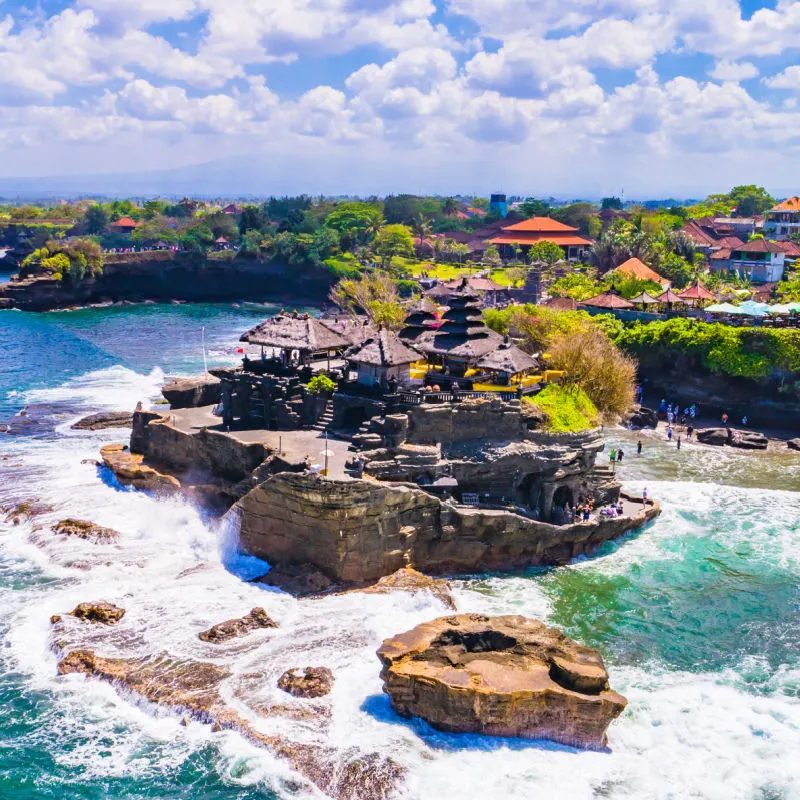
point(27, 510)
point(130, 470)
point(746, 440)
point(358, 531)
point(308, 682)
point(83, 529)
point(793, 444)
point(409, 580)
point(104, 613)
point(299, 580)
point(103, 420)
point(194, 689)
point(192, 392)
point(501, 676)
point(233, 628)
point(642, 417)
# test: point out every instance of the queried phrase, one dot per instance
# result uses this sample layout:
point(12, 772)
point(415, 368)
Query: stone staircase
point(325, 420)
point(602, 473)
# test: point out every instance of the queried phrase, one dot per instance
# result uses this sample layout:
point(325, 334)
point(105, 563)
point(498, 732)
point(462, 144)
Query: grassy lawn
point(568, 409)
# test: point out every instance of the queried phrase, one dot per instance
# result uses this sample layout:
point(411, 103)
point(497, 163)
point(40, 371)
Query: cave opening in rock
point(476, 641)
point(562, 496)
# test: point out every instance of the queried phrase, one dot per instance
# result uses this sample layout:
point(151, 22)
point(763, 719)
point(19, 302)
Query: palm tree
point(449, 207)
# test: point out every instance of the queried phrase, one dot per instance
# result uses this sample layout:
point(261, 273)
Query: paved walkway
point(295, 445)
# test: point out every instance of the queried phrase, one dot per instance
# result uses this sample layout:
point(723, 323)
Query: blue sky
point(562, 97)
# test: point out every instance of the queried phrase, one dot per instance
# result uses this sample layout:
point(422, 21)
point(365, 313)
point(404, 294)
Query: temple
point(541, 229)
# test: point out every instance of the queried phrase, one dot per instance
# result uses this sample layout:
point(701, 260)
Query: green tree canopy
point(356, 223)
point(549, 252)
point(394, 240)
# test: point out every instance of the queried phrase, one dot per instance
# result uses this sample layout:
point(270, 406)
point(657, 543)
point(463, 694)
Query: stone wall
point(213, 453)
point(362, 530)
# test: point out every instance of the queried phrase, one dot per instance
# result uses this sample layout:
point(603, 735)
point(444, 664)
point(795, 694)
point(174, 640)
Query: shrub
point(568, 408)
point(321, 384)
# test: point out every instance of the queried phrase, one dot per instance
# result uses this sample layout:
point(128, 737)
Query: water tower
point(498, 205)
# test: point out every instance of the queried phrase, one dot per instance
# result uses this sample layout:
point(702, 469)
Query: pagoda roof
point(508, 358)
point(541, 225)
point(561, 239)
point(295, 332)
point(468, 347)
point(382, 350)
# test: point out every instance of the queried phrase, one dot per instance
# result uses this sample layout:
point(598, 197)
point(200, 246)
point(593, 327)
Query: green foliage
point(95, 219)
point(611, 202)
point(676, 269)
point(568, 408)
point(549, 252)
point(535, 208)
point(739, 352)
point(356, 223)
point(321, 384)
point(577, 285)
point(57, 265)
point(580, 216)
point(197, 239)
point(343, 266)
point(154, 230)
point(394, 240)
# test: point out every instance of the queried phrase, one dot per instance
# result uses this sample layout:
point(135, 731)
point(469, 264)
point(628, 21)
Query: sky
point(583, 98)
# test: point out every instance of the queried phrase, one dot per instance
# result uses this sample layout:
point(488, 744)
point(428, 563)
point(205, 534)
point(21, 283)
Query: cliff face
point(362, 530)
point(164, 276)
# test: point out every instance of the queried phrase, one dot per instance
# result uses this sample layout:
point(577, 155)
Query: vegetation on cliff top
point(568, 408)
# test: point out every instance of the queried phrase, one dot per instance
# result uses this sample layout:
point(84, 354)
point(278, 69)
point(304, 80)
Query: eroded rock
point(502, 676)
point(745, 440)
point(308, 682)
point(192, 392)
point(233, 628)
point(83, 529)
point(105, 613)
point(793, 444)
point(193, 689)
point(103, 420)
point(299, 580)
point(130, 470)
point(642, 417)
point(409, 580)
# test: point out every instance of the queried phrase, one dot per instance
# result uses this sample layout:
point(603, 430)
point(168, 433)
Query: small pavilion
point(299, 337)
point(696, 295)
point(608, 301)
point(644, 299)
point(670, 298)
point(508, 363)
point(381, 360)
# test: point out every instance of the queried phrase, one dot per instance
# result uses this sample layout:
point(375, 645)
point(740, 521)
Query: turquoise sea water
point(698, 616)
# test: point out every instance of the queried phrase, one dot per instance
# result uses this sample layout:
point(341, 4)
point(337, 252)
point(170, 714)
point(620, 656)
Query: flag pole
point(203, 337)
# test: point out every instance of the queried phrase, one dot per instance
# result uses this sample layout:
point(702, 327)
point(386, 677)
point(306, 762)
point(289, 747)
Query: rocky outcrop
point(130, 470)
point(409, 580)
point(308, 682)
point(793, 444)
point(745, 440)
point(195, 689)
point(104, 613)
point(28, 510)
point(83, 529)
point(501, 676)
point(359, 531)
point(103, 420)
point(297, 579)
point(233, 628)
point(641, 417)
point(192, 392)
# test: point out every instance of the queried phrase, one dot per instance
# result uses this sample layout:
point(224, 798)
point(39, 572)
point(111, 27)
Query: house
point(541, 229)
point(741, 227)
point(639, 270)
point(381, 359)
point(123, 225)
point(221, 243)
point(232, 209)
point(760, 261)
point(783, 219)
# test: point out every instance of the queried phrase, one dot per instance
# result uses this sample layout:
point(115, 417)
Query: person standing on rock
point(639, 447)
point(613, 458)
point(679, 443)
point(725, 418)
point(620, 454)
point(644, 496)
point(669, 434)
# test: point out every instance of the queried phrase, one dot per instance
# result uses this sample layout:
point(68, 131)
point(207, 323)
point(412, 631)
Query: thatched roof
point(508, 358)
point(382, 350)
point(670, 297)
point(423, 306)
point(295, 332)
point(696, 292)
point(355, 329)
point(470, 348)
point(607, 300)
point(644, 299)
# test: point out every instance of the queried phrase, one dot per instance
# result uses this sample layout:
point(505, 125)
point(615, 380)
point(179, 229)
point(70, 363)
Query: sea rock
point(793, 444)
point(308, 682)
point(299, 580)
point(130, 470)
point(83, 529)
point(409, 580)
point(194, 689)
point(642, 417)
point(105, 613)
point(232, 628)
point(502, 676)
point(27, 510)
point(192, 392)
point(103, 420)
point(746, 440)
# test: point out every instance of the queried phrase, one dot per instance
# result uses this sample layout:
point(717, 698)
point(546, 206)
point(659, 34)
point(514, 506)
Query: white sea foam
point(683, 734)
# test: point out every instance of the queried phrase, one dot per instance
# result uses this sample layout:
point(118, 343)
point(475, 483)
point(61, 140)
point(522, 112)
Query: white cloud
point(788, 79)
point(734, 72)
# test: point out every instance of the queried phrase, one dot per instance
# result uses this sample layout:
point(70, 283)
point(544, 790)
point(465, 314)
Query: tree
point(750, 200)
point(549, 252)
point(376, 295)
point(535, 208)
point(449, 206)
point(197, 239)
point(152, 231)
point(252, 219)
point(222, 225)
point(356, 223)
point(580, 216)
point(422, 227)
point(677, 270)
point(577, 285)
point(611, 202)
point(492, 256)
point(394, 240)
point(95, 219)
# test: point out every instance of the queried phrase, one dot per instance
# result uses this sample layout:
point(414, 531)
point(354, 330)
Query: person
point(669, 434)
point(613, 455)
point(689, 431)
point(744, 420)
point(725, 418)
point(586, 513)
point(679, 443)
point(620, 454)
point(644, 496)
point(639, 447)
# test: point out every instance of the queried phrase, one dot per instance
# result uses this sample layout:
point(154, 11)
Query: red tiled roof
point(561, 239)
point(669, 297)
point(790, 204)
point(561, 304)
point(695, 231)
point(696, 292)
point(722, 255)
point(792, 249)
point(730, 241)
point(541, 225)
point(124, 222)
point(759, 246)
point(640, 270)
point(608, 300)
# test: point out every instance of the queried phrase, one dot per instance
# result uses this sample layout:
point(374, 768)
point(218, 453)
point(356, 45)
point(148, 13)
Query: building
point(783, 219)
point(498, 205)
point(541, 229)
point(123, 225)
point(707, 238)
point(422, 317)
point(760, 261)
point(639, 270)
point(741, 227)
point(382, 359)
